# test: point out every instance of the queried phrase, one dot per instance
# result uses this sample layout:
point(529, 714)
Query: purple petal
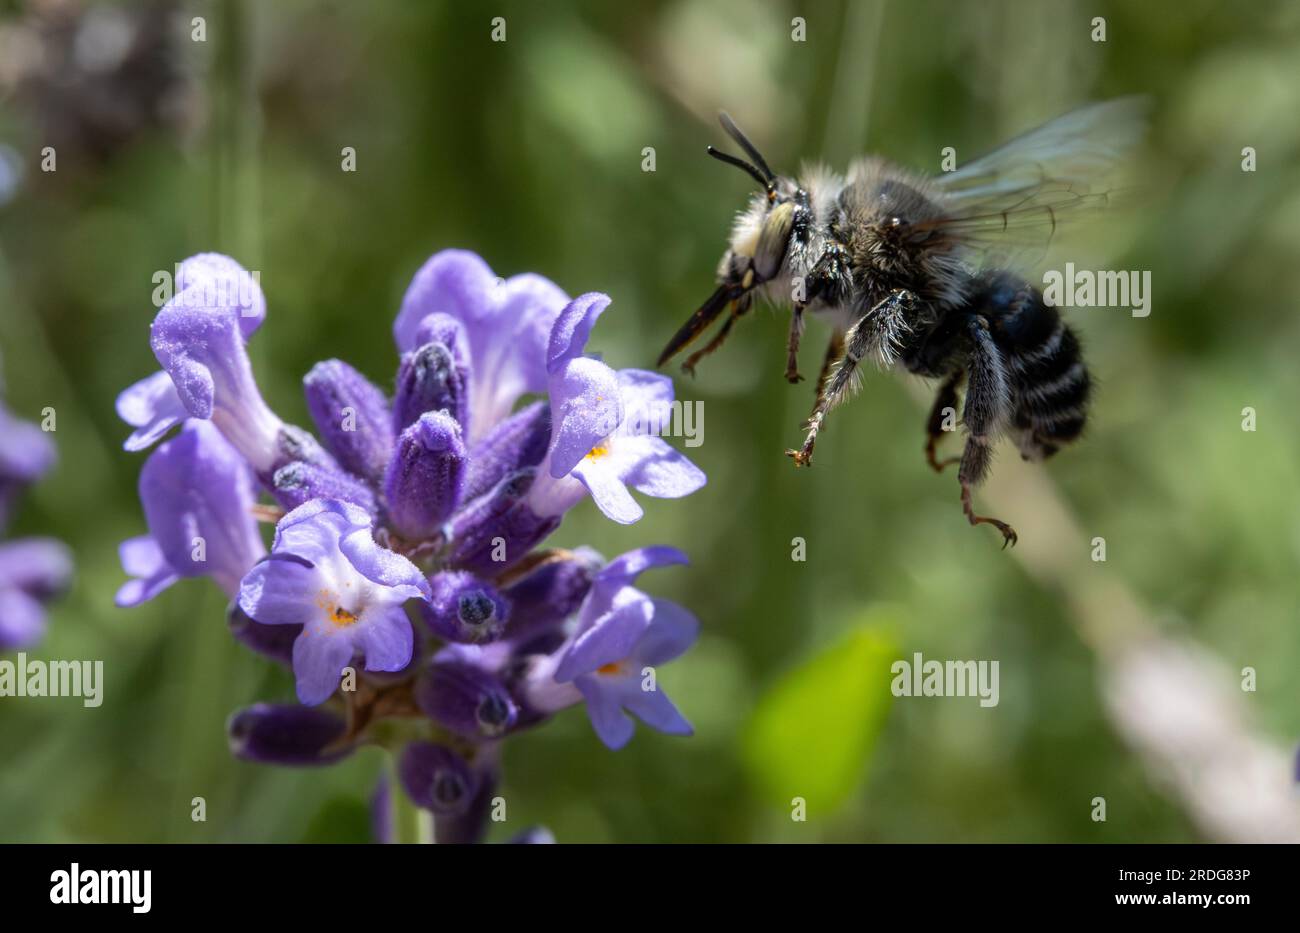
point(606, 714)
point(22, 619)
point(653, 466)
point(647, 402)
point(312, 529)
point(608, 492)
point(40, 567)
point(654, 709)
point(455, 282)
point(388, 641)
point(611, 638)
point(450, 332)
point(152, 407)
point(202, 349)
point(529, 306)
point(280, 591)
point(134, 592)
point(143, 560)
point(572, 329)
point(318, 661)
point(197, 497)
point(585, 409)
point(222, 281)
point(26, 453)
point(628, 566)
point(672, 631)
point(382, 566)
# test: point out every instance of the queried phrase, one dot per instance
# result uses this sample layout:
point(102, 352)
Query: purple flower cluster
point(405, 585)
point(32, 570)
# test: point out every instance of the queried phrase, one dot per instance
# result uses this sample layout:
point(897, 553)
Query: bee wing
point(1076, 150)
point(1013, 200)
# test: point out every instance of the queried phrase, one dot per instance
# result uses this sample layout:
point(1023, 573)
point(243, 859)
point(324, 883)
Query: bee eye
point(896, 221)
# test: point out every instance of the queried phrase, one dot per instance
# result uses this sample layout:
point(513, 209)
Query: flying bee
point(919, 272)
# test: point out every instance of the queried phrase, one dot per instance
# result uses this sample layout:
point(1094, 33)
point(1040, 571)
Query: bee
point(919, 272)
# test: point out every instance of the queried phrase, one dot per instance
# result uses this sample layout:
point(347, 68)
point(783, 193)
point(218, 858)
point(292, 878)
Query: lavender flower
point(32, 570)
point(198, 497)
point(605, 438)
point(326, 574)
point(429, 506)
point(152, 406)
point(621, 636)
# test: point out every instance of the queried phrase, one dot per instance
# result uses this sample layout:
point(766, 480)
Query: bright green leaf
point(812, 733)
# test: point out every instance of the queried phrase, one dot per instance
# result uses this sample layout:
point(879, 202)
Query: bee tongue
point(697, 322)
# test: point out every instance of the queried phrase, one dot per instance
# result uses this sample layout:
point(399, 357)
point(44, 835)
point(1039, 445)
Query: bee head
point(754, 257)
point(760, 245)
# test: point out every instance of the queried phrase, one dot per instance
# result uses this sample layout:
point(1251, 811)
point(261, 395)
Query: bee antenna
point(742, 140)
point(740, 164)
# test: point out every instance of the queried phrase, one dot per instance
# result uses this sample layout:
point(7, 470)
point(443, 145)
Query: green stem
point(411, 824)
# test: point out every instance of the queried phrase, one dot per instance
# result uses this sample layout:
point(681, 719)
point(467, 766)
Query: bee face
point(761, 237)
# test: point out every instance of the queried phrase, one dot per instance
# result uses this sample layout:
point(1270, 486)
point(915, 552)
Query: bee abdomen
point(1052, 393)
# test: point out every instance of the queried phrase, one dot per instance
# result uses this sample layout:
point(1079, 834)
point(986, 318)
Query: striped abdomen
point(1050, 383)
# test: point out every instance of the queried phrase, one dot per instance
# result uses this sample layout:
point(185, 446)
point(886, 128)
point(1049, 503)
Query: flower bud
point(465, 699)
point(464, 608)
point(429, 380)
point(498, 528)
point(517, 442)
point(352, 416)
point(469, 826)
point(426, 475)
point(296, 483)
point(437, 778)
point(551, 592)
point(287, 735)
point(272, 641)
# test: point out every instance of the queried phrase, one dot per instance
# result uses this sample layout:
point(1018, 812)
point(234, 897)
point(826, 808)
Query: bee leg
point(1009, 536)
point(834, 350)
point(944, 403)
point(792, 345)
point(840, 372)
point(987, 400)
point(718, 340)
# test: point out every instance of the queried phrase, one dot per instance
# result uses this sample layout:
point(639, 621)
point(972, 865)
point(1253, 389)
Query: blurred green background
point(530, 152)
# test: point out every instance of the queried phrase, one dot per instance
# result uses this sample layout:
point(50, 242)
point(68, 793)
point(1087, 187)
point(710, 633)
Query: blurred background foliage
point(530, 152)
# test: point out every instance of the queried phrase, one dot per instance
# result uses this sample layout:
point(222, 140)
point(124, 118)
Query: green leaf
point(813, 732)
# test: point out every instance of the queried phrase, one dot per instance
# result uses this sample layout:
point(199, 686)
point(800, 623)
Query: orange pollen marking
point(341, 617)
point(614, 667)
point(600, 450)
